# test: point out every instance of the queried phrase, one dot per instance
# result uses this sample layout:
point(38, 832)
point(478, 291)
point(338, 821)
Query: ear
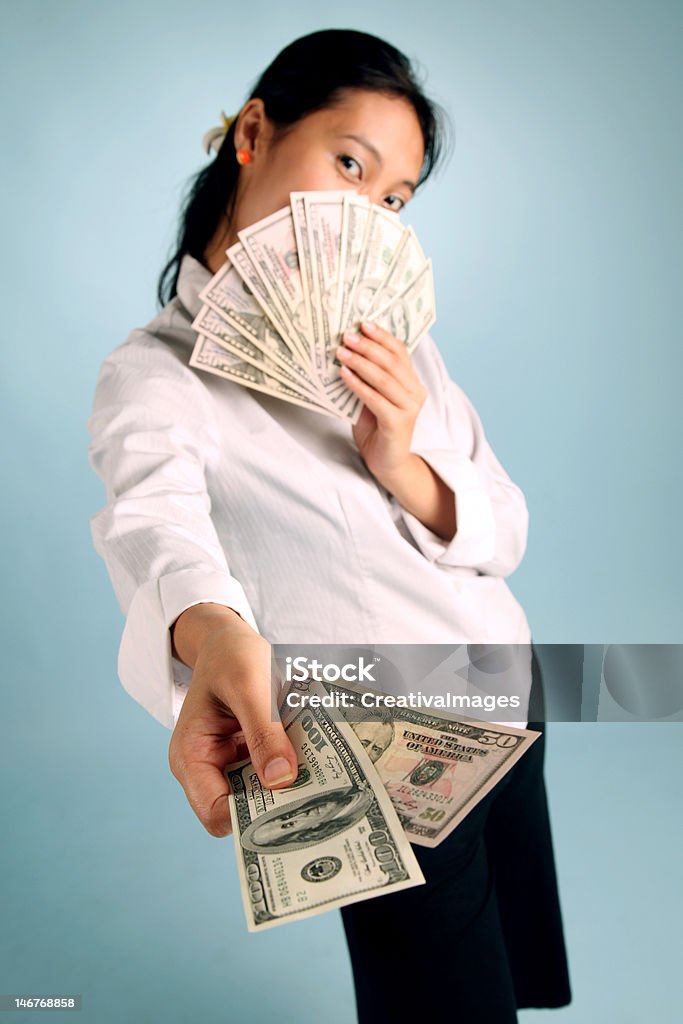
point(252, 128)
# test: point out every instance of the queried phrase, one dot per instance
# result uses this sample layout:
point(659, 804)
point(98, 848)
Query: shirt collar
point(191, 279)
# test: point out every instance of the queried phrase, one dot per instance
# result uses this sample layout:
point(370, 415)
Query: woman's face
point(369, 142)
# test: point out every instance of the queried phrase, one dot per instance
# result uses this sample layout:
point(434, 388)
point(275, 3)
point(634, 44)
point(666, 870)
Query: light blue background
point(555, 234)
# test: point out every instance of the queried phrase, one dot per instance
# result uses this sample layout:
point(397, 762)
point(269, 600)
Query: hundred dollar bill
point(383, 235)
point(355, 221)
point(232, 299)
point(407, 263)
point(269, 355)
point(435, 767)
point(241, 260)
point(272, 248)
point(296, 200)
point(306, 239)
point(324, 221)
point(330, 839)
point(410, 314)
point(211, 356)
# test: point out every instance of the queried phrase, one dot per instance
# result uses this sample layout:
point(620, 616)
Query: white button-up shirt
point(219, 493)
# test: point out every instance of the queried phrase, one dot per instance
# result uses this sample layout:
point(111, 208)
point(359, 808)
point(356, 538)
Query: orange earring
point(243, 156)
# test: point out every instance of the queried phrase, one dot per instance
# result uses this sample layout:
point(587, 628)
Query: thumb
point(270, 750)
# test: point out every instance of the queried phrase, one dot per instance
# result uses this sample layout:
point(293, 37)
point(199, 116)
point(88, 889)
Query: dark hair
point(310, 74)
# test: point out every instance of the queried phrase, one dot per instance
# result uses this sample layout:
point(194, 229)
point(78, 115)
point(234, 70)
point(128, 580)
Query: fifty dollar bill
point(435, 767)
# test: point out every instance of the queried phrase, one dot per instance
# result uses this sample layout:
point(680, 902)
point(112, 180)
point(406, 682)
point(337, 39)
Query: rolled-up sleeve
point(152, 438)
point(492, 517)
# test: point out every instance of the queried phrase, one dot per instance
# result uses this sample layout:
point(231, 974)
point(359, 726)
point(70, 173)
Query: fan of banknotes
point(273, 315)
point(369, 785)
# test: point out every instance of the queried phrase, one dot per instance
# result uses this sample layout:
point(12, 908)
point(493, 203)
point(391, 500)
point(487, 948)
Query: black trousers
point(483, 938)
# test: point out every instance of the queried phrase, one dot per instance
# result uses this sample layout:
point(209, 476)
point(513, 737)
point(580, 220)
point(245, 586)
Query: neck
point(214, 254)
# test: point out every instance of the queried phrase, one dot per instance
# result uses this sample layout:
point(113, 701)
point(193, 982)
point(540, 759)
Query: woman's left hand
point(377, 368)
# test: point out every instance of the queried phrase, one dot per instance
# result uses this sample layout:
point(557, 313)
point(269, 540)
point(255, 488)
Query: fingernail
point(370, 324)
point(277, 770)
point(341, 351)
point(351, 336)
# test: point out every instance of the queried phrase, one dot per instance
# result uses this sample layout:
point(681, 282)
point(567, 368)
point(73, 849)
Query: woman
point(235, 520)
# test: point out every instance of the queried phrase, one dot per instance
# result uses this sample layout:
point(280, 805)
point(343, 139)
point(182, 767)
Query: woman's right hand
point(227, 714)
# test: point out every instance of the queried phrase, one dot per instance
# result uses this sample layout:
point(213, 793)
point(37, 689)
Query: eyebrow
point(362, 141)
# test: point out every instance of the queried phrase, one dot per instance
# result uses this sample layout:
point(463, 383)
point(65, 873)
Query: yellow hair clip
point(213, 139)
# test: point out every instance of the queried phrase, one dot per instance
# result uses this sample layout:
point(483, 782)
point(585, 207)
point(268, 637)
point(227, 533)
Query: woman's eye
point(351, 165)
point(395, 203)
